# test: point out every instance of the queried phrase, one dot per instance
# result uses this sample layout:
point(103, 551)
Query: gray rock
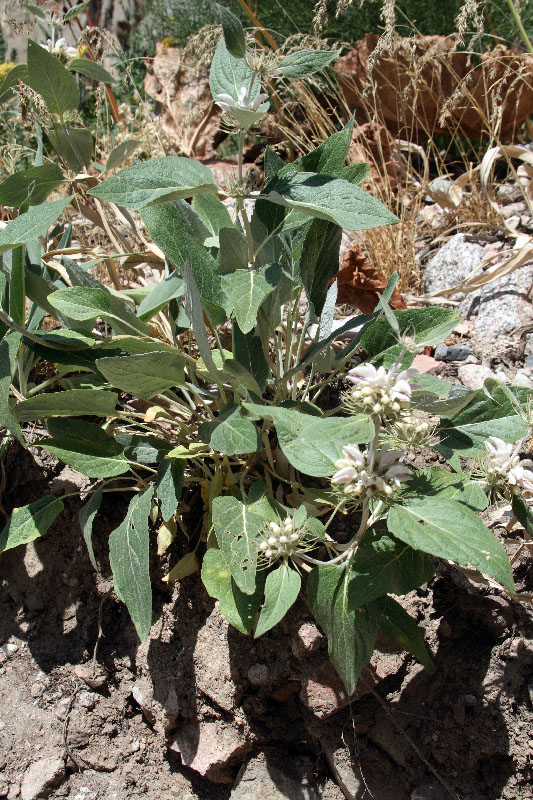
point(429, 791)
point(500, 307)
point(524, 377)
point(210, 748)
point(270, 775)
point(41, 777)
point(529, 362)
point(259, 674)
point(452, 264)
point(453, 352)
point(87, 700)
point(473, 376)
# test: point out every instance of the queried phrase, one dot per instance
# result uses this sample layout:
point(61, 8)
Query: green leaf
point(159, 297)
point(32, 224)
point(130, 562)
point(233, 31)
point(86, 518)
point(302, 63)
point(29, 522)
point(144, 375)
point(159, 180)
point(194, 311)
point(90, 69)
point(458, 398)
point(9, 347)
point(332, 199)
point(246, 289)
point(229, 74)
point(281, 591)
point(142, 448)
point(522, 512)
point(313, 445)
point(457, 486)
point(355, 173)
point(232, 433)
point(97, 459)
point(319, 260)
point(18, 73)
point(429, 326)
point(14, 189)
point(169, 486)
point(177, 240)
point(237, 607)
point(466, 432)
point(121, 152)
point(48, 77)
point(212, 212)
point(71, 403)
point(233, 250)
point(398, 626)
point(81, 303)
point(238, 531)
point(248, 351)
point(74, 145)
point(351, 630)
point(73, 12)
point(84, 303)
point(384, 565)
point(450, 530)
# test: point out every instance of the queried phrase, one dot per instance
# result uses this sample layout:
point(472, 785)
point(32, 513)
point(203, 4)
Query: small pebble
point(470, 700)
point(87, 700)
point(453, 352)
point(258, 674)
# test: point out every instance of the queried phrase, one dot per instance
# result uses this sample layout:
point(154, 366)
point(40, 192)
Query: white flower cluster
point(61, 48)
point(503, 468)
point(362, 479)
point(378, 392)
point(244, 111)
point(411, 431)
point(282, 540)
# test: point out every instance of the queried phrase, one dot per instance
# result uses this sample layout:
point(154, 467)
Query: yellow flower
point(6, 67)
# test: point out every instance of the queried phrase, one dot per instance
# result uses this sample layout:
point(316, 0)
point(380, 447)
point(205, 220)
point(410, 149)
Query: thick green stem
point(519, 24)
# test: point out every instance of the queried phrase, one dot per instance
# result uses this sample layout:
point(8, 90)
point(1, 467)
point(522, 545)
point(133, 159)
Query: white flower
point(245, 111)
point(363, 480)
point(282, 540)
point(61, 48)
point(379, 392)
point(503, 467)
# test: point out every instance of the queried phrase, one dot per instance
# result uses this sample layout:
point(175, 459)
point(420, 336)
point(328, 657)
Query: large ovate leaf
point(129, 557)
point(384, 564)
point(121, 152)
point(73, 144)
point(144, 375)
point(29, 522)
point(396, 624)
point(233, 31)
point(71, 403)
point(248, 351)
point(313, 445)
point(351, 629)
point(29, 226)
point(8, 85)
point(246, 290)
point(282, 587)
point(229, 74)
point(159, 180)
point(332, 199)
point(438, 481)
point(428, 326)
point(238, 532)
point(86, 518)
point(85, 303)
point(237, 607)
point(466, 431)
point(448, 529)
point(169, 486)
point(84, 66)
point(9, 347)
point(232, 433)
point(158, 297)
point(101, 458)
point(48, 77)
point(319, 260)
point(14, 189)
point(302, 63)
point(176, 238)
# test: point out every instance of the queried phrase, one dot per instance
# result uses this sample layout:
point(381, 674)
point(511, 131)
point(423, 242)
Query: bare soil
point(464, 732)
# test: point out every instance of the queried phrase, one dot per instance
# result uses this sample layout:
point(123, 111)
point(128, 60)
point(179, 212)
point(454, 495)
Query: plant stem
point(519, 24)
